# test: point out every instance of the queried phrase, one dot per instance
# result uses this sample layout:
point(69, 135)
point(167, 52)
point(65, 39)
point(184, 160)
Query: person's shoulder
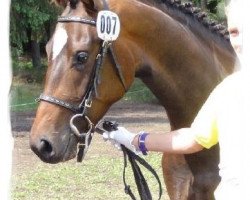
point(229, 86)
point(234, 76)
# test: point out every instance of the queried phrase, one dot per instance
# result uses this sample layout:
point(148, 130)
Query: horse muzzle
point(51, 150)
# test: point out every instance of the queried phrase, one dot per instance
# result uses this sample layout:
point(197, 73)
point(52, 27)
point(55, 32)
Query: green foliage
point(30, 19)
point(214, 7)
point(139, 93)
point(24, 72)
point(19, 65)
point(22, 96)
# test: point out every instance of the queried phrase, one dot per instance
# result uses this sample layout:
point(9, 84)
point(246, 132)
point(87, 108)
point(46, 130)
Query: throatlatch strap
point(118, 68)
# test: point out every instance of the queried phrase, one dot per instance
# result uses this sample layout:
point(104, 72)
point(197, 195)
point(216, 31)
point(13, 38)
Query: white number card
point(108, 25)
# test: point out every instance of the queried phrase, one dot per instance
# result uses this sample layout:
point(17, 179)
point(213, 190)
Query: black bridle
point(80, 110)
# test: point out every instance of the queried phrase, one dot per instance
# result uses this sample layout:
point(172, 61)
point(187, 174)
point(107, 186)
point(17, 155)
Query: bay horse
point(171, 47)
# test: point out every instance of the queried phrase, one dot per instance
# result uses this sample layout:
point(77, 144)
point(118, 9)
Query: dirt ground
point(134, 116)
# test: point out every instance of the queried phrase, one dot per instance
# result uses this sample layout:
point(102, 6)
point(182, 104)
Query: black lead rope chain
point(134, 160)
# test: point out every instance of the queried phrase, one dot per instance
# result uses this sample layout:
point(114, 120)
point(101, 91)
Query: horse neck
point(179, 67)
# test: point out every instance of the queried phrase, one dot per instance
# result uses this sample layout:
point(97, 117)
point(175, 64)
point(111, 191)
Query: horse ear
point(93, 5)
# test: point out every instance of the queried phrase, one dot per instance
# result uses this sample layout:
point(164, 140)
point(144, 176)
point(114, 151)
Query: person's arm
point(178, 142)
point(181, 141)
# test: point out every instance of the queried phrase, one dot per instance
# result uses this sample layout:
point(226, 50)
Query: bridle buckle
point(88, 103)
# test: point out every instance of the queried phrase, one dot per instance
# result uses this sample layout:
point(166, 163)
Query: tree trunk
point(35, 51)
point(35, 54)
point(204, 4)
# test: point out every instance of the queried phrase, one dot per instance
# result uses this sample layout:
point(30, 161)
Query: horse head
point(83, 79)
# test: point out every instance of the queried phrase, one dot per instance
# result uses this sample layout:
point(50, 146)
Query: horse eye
point(81, 57)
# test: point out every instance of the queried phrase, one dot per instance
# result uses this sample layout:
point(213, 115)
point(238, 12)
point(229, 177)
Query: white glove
point(121, 136)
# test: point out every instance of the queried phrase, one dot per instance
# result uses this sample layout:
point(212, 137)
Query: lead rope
point(127, 189)
point(141, 183)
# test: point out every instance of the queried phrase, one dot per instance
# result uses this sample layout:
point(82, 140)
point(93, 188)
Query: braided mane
point(189, 11)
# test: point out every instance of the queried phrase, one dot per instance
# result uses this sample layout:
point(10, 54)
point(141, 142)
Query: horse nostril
point(45, 149)
point(45, 146)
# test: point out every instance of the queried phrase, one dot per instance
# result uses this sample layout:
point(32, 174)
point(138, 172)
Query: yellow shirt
point(225, 118)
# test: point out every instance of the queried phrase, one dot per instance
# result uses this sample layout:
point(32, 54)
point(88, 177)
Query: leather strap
point(76, 19)
point(134, 160)
point(58, 102)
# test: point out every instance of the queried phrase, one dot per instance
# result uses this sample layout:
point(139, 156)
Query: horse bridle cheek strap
point(84, 139)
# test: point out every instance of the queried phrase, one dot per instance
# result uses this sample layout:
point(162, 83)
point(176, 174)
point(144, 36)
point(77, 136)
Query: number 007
point(107, 25)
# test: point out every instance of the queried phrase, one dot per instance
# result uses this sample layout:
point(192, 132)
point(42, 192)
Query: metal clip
point(98, 56)
point(88, 103)
point(106, 44)
point(81, 145)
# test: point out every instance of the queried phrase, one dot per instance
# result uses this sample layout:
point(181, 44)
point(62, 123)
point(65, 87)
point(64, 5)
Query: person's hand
point(121, 136)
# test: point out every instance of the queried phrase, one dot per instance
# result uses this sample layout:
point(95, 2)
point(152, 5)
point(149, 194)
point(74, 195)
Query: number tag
point(108, 25)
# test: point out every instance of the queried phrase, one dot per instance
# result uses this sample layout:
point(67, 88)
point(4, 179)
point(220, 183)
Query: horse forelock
point(196, 18)
point(73, 3)
point(63, 3)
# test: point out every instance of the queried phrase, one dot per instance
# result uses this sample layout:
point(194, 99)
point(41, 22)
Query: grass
point(23, 95)
point(98, 178)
